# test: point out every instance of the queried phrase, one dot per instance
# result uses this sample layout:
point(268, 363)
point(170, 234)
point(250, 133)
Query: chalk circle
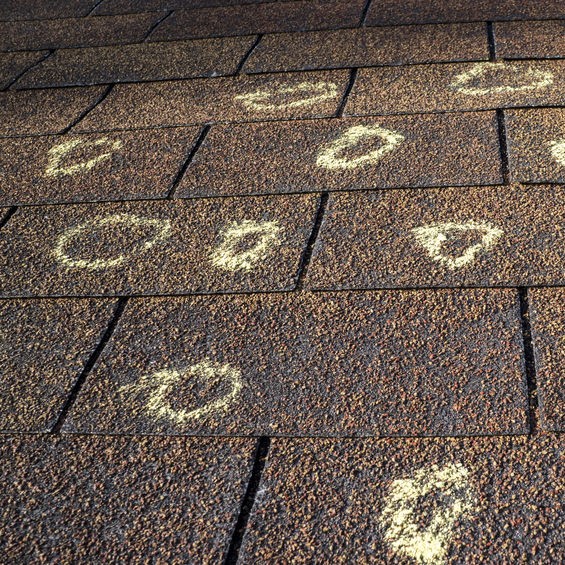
point(329, 158)
point(557, 149)
point(400, 515)
point(531, 79)
point(433, 236)
point(311, 92)
point(228, 257)
point(162, 233)
point(58, 152)
point(162, 384)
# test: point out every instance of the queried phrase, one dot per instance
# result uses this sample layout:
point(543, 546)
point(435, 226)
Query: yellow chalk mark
point(329, 157)
point(533, 79)
point(164, 383)
point(227, 256)
point(433, 237)
point(58, 152)
point(557, 149)
point(162, 233)
point(400, 513)
point(313, 91)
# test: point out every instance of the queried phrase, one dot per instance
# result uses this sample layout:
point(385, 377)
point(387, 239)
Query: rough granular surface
point(88, 167)
point(43, 347)
point(69, 499)
point(346, 154)
point(507, 235)
point(282, 281)
point(241, 369)
point(368, 46)
point(456, 87)
point(156, 247)
point(548, 323)
point(256, 98)
point(416, 500)
point(536, 144)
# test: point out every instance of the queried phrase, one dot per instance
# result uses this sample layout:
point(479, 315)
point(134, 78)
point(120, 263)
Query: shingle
point(139, 62)
point(89, 167)
point(343, 364)
point(538, 39)
point(498, 236)
point(345, 154)
point(103, 499)
point(536, 144)
point(461, 86)
point(548, 321)
point(166, 247)
point(75, 32)
point(419, 500)
point(260, 18)
point(44, 346)
point(198, 101)
point(364, 47)
point(44, 111)
point(392, 12)
point(14, 64)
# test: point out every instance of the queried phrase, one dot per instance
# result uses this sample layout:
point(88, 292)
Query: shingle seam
point(187, 161)
point(529, 360)
point(308, 250)
point(120, 307)
point(261, 456)
point(88, 110)
point(27, 69)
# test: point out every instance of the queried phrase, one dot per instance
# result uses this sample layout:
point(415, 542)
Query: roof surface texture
point(282, 282)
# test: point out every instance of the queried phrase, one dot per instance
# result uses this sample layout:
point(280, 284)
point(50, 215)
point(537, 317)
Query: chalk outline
point(351, 137)
point(223, 257)
point(252, 100)
point(432, 236)
point(58, 152)
point(399, 515)
point(557, 149)
point(162, 225)
point(161, 384)
point(544, 78)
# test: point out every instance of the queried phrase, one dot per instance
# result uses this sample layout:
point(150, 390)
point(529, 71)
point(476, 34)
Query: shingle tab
point(456, 87)
point(14, 64)
point(139, 62)
point(260, 18)
point(313, 364)
point(89, 167)
point(103, 499)
point(75, 32)
point(39, 9)
point(538, 39)
point(198, 101)
point(345, 154)
point(509, 236)
point(418, 500)
point(364, 47)
point(183, 246)
point(392, 12)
